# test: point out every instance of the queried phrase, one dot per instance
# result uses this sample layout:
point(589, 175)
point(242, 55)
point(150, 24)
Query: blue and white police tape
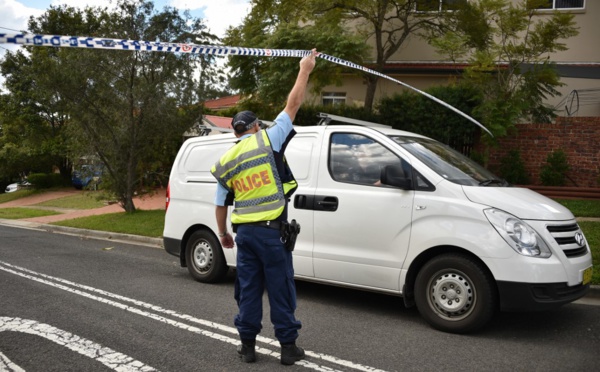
point(158, 46)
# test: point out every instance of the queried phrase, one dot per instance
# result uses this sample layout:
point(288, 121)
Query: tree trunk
point(370, 95)
point(127, 204)
point(129, 188)
point(65, 167)
point(127, 196)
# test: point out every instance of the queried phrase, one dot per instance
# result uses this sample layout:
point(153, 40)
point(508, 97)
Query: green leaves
point(269, 80)
point(130, 109)
point(343, 28)
point(416, 113)
point(554, 172)
point(507, 48)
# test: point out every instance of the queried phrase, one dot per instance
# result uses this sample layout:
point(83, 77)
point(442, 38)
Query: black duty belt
point(276, 225)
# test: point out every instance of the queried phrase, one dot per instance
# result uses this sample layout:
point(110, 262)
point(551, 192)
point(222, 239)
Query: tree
point(388, 22)
point(509, 56)
point(283, 24)
point(33, 121)
point(128, 108)
point(334, 27)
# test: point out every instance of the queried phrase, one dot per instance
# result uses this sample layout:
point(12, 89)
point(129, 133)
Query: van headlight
point(519, 235)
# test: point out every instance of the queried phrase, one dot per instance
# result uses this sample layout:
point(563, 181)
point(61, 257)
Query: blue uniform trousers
point(264, 262)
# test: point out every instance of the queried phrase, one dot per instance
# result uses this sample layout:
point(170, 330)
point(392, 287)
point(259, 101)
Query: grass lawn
point(145, 223)
point(591, 230)
point(10, 196)
point(18, 213)
point(582, 208)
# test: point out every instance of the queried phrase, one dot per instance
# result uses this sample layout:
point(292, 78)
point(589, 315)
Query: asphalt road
point(76, 304)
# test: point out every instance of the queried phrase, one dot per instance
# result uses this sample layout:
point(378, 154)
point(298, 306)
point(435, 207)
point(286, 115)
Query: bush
point(45, 180)
point(554, 172)
point(308, 115)
point(416, 113)
point(512, 168)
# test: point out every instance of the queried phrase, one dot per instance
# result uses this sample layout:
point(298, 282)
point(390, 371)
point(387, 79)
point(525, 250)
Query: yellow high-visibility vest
point(249, 170)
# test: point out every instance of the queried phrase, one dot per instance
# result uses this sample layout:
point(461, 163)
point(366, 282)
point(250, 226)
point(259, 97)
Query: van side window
point(421, 183)
point(355, 158)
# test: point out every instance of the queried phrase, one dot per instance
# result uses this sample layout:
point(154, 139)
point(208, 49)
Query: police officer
point(255, 174)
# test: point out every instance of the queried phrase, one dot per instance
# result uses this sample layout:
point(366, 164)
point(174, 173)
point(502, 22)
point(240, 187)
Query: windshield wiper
point(493, 181)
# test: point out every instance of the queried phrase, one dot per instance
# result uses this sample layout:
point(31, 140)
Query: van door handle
point(316, 202)
point(326, 203)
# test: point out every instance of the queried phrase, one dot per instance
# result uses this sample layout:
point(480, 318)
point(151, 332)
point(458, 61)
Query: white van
point(395, 212)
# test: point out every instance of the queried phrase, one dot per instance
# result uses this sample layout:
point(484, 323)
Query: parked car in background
point(17, 186)
point(87, 175)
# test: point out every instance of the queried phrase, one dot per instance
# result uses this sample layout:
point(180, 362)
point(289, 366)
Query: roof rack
point(326, 119)
point(206, 129)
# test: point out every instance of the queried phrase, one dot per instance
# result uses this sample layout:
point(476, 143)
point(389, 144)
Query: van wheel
point(455, 294)
point(204, 257)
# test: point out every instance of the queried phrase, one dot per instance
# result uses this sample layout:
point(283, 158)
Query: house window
point(334, 98)
point(437, 5)
point(563, 4)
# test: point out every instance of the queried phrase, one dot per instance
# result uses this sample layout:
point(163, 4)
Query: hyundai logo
point(579, 239)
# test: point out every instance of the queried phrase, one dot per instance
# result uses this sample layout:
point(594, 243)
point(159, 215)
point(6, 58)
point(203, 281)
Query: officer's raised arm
point(296, 96)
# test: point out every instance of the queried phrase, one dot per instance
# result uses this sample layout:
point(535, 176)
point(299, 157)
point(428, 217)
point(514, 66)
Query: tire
point(204, 256)
point(455, 294)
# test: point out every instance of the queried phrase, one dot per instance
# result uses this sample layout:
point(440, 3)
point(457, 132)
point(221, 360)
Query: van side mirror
point(393, 175)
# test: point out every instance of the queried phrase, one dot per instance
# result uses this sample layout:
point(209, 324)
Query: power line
point(12, 29)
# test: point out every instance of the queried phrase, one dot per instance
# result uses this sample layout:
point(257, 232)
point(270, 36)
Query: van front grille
point(566, 236)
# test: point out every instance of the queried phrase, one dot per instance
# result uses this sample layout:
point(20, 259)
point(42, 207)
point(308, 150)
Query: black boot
point(290, 353)
point(246, 351)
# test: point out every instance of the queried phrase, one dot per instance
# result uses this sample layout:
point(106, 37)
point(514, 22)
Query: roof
point(218, 121)
point(222, 103)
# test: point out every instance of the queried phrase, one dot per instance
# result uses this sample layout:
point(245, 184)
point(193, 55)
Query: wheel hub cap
point(203, 256)
point(452, 294)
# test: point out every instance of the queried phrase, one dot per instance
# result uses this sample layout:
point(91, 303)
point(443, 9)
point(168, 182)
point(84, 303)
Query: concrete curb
point(594, 292)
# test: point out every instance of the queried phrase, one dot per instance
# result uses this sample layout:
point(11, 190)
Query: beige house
point(417, 64)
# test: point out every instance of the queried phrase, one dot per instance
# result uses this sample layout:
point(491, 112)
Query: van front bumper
point(537, 296)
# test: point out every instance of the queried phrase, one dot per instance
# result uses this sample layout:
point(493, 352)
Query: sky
point(218, 14)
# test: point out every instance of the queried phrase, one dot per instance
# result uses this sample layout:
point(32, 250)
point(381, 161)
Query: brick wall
point(578, 137)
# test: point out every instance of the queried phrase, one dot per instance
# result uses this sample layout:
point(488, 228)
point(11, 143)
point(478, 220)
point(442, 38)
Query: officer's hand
point(308, 62)
point(227, 240)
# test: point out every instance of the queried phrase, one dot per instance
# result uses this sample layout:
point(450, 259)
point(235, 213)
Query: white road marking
point(8, 366)
point(47, 279)
point(108, 357)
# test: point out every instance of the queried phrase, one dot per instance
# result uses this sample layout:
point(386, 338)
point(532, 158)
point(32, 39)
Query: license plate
point(587, 275)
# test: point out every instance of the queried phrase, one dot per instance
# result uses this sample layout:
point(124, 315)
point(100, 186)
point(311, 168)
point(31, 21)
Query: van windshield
point(449, 163)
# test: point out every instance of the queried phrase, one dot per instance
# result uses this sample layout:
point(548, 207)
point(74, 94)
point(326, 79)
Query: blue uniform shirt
point(278, 133)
